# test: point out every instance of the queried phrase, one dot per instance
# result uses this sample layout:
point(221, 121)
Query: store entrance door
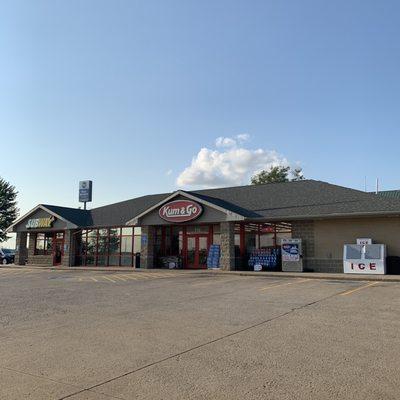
point(196, 251)
point(58, 248)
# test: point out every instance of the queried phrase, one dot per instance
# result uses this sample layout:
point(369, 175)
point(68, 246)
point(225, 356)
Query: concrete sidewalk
point(316, 275)
point(308, 275)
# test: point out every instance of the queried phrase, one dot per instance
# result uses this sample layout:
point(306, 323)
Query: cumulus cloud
point(231, 142)
point(225, 142)
point(243, 137)
point(229, 164)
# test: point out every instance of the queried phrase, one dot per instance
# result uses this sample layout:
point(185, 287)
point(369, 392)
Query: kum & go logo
point(180, 211)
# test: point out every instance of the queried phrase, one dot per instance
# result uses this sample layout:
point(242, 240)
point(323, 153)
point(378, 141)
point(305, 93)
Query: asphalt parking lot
point(176, 335)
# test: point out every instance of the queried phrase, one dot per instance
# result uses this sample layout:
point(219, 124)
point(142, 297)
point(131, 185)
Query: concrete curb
point(315, 275)
point(308, 275)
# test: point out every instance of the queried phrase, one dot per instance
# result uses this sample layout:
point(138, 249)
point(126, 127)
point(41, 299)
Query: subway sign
point(180, 211)
point(35, 223)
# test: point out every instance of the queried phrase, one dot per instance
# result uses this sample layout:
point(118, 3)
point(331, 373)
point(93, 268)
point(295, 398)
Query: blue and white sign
point(85, 191)
point(291, 249)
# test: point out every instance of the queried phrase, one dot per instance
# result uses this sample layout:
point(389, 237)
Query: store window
point(108, 246)
point(216, 234)
point(91, 247)
point(43, 243)
point(197, 229)
point(114, 246)
point(126, 247)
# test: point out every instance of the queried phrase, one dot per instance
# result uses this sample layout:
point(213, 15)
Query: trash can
point(137, 260)
point(393, 265)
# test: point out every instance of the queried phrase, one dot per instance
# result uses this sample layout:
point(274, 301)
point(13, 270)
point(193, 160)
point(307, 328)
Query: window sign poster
point(144, 240)
point(291, 249)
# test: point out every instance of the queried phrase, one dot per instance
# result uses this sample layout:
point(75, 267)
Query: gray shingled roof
point(393, 194)
point(274, 201)
point(120, 213)
point(75, 215)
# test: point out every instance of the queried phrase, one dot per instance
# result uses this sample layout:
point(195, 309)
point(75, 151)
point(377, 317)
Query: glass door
point(191, 251)
point(58, 248)
point(196, 251)
point(202, 248)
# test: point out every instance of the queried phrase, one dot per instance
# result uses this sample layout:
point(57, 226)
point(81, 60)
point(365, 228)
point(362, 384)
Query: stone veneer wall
point(227, 234)
point(325, 265)
point(35, 259)
point(147, 250)
point(21, 253)
point(69, 249)
point(305, 231)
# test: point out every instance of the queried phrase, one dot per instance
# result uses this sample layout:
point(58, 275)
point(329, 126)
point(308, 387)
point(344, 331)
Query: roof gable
point(231, 215)
point(72, 218)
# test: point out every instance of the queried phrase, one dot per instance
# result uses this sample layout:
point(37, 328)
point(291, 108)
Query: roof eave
point(329, 216)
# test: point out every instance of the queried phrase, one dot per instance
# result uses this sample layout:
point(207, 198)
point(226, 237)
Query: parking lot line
point(263, 289)
point(127, 276)
point(109, 279)
point(8, 271)
point(118, 277)
point(213, 282)
point(12, 273)
point(358, 288)
point(158, 275)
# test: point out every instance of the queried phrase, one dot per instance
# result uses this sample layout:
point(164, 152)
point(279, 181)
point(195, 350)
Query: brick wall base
point(324, 265)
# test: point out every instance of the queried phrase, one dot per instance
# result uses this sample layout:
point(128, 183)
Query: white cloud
point(225, 142)
point(169, 172)
point(231, 165)
point(231, 142)
point(243, 137)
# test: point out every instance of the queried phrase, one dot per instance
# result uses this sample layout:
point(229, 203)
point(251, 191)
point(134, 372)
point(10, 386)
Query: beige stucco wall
point(331, 235)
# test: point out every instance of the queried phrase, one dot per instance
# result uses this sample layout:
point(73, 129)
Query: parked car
point(7, 256)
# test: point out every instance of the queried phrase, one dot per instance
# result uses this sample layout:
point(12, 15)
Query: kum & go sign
point(180, 211)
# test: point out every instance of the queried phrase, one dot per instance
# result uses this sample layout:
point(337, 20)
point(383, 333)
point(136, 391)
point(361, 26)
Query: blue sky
point(127, 93)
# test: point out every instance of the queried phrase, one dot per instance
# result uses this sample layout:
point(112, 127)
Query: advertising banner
point(291, 249)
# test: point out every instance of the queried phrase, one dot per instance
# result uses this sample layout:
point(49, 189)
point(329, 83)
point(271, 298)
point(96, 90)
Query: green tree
point(297, 174)
point(277, 174)
point(8, 207)
point(273, 174)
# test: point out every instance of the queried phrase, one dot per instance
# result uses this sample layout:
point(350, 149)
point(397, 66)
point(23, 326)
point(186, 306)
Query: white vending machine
point(364, 259)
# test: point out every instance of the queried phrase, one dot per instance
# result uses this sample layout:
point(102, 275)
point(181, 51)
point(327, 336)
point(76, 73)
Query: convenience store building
point(153, 231)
